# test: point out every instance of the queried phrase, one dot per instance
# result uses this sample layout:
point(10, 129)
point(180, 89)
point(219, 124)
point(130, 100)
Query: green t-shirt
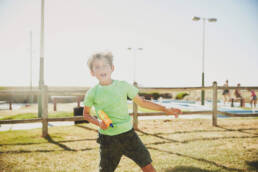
point(112, 99)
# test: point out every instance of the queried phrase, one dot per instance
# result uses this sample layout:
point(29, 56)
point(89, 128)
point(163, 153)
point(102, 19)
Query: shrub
point(181, 95)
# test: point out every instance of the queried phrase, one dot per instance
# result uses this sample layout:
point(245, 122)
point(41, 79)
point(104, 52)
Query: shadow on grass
point(219, 138)
point(252, 165)
point(204, 131)
point(241, 130)
point(158, 136)
point(42, 151)
point(50, 140)
point(195, 158)
point(192, 140)
point(186, 169)
point(64, 141)
point(87, 128)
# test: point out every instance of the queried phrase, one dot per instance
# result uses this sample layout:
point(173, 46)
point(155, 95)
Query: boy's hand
point(173, 111)
point(102, 125)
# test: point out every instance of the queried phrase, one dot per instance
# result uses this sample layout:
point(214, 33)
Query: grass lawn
point(177, 145)
point(35, 115)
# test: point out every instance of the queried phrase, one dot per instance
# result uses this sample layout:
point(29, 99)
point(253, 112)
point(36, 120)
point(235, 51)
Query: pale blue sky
point(171, 41)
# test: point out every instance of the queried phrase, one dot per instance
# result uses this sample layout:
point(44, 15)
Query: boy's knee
point(148, 168)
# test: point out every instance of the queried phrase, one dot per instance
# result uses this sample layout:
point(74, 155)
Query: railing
point(45, 92)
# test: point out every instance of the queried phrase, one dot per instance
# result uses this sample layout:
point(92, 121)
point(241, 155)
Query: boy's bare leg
point(148, 168)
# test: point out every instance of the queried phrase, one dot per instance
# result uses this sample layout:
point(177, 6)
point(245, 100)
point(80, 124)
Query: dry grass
point(178, 145)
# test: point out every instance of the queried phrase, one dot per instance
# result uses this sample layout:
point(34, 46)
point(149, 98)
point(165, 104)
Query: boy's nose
point(102, 68)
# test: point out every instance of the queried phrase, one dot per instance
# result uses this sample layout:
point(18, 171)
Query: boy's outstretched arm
point(153, 106)
point(88, 117)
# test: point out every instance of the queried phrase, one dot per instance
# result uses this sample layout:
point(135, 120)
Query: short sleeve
point(89, 97)
point(132, 91)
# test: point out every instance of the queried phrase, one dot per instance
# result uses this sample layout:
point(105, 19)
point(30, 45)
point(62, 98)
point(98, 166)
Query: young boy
point(111, 97)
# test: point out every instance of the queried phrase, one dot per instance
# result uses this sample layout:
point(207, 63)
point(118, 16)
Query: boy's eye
point(96, 68)
point(106, 66)
point(101, 67)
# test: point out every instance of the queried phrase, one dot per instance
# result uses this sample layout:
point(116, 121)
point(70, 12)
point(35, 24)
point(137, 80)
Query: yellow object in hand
point(103, 116)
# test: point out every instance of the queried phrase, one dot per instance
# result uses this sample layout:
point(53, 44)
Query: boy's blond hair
point(101, 55)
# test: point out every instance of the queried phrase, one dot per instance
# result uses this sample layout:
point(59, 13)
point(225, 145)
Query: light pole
point(203, 48)
point(31, 97)
point(41, 66)
point(134, 61)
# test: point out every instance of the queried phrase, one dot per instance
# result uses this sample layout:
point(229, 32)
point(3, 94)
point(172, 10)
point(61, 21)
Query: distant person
point(253, 98)
point(237, 92)
point(111, 96)
point(226, 92)
point(238, 96)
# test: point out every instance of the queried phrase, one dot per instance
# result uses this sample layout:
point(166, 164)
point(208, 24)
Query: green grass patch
point(20, 116)
point(3, 88)
point(35, 115)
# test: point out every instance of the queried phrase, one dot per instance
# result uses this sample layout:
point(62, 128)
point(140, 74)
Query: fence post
point(10, 105)
point(45, 111)
point(78, 101)
point(214, 106)
point(54, 104)
point(135, 110)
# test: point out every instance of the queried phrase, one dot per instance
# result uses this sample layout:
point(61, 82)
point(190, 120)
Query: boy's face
point(102, 70)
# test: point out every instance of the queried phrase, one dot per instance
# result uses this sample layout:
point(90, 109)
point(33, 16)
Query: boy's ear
point(113, 68)
point(92, 73)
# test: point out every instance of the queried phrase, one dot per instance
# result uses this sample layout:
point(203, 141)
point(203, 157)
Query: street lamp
point(203, 48)
point(134, 61)
point(31, 96)
point(41, 65)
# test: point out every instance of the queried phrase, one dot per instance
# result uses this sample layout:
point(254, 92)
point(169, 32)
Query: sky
point(171, 42)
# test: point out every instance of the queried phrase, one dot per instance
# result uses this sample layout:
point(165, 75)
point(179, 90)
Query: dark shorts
point(254, 98)
point(113, 147)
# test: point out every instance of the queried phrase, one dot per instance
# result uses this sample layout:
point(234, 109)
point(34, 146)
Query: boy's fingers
point(179, 111)
point(103, 125)
point(174, 111)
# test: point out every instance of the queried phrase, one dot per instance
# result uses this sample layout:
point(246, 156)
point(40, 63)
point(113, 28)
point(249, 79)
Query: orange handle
point(103, 116)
